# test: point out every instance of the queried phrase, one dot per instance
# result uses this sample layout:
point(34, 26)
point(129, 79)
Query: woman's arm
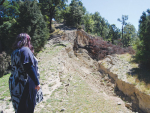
point(27, 61)
point(28, 67)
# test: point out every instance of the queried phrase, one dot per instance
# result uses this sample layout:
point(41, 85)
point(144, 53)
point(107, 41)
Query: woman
point(23, 83)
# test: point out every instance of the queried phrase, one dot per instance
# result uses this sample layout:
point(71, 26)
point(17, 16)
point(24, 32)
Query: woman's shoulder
point(25, 49)
point(15, 52)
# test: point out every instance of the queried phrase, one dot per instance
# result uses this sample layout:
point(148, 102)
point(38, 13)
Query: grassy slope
point(4, 87)
point(139, 76)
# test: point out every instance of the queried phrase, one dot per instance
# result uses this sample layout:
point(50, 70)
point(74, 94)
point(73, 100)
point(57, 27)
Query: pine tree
point(31, 21)
point(123, 22)
point(129, 34)
point(143, 52)
point(73, 15)
point(114, 33)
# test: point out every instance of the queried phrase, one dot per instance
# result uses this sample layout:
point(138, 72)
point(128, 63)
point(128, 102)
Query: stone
point(128, 105)
point(62, 110)
point(123, 98)
point(109, 84)
point(71, 54)
point(102, 83)
point(119, 103)
point(109, 80)
point(106, 78)
point(101, 80)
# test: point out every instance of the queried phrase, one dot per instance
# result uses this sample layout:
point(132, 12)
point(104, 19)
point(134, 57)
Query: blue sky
point(111, 10)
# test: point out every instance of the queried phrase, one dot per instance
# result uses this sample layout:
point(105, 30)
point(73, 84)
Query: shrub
point(99, 49)
point(4, 63)
point(7, 36)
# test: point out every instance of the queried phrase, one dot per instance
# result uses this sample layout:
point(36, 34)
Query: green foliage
point(114, 33)
point(4, 63)
point(123, 22)
point(89, 23)
point(49, 7)
point(9, 10)
point(135, 43)
point(101, 27)
point(74, 14)
point(129, 35)
point(143, 51)
point(58, 15)
point(7, 36)
point(31, 21)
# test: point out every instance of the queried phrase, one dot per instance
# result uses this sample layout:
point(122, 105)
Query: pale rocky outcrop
point(117, 70)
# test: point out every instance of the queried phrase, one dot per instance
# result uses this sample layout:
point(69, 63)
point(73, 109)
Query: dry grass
point(57, 32)
point(78, 97)
point(139, 77)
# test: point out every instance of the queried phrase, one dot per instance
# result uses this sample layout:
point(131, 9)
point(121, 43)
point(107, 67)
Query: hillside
point(71, 82)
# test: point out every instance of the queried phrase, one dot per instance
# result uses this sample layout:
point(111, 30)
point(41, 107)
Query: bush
point(99, 48)
point(7, 36)
point(4, 63)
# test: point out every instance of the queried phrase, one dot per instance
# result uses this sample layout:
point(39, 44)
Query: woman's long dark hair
point(23, 39)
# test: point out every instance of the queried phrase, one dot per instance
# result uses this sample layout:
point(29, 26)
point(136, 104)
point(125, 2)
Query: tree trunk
point(0, 46)
point(51, 16)
point(1, 20)
point(50, 26)
point(122, 36)
point(112, 41)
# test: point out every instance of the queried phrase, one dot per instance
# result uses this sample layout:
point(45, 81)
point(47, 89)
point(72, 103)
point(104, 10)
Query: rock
point(119, 103)
point(109, 84)
point(112, 86)
point(109, 80)
point(106, 78)
point(128, 105)
point(114, 94)
point(102, 83)
point(111, 89)
point(101, 80)
point(62, 110)
point(68, 49)
point(67, 85)
point(123, 98)
point(71, 54)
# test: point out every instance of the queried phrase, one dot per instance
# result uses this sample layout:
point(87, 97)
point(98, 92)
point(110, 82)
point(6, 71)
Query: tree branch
point(2, 2)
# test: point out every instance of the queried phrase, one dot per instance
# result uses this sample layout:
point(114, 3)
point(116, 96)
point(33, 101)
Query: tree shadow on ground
point(62, 27)
point(142, 73)
point(59, 44)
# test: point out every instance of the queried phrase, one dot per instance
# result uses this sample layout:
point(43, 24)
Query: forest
point(35, 18)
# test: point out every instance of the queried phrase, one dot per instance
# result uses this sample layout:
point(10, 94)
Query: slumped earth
point(70, 84)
